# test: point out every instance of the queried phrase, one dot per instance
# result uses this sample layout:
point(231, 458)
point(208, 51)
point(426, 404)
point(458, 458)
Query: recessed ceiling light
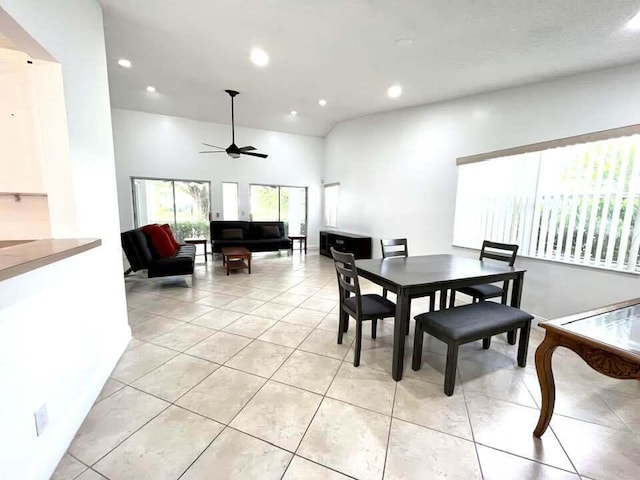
point(259, 57)
point(404, 42)
point(634, 23)
point(293, 113)
point(123, 62)
point(151, 89)
point(394, 91)
point(322, 102)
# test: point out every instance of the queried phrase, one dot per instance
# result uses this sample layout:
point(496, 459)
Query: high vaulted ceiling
point(345, 51)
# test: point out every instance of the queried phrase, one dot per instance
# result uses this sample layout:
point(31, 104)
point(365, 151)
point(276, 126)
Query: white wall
point(64, 326)
point(397, 170)
point(151, 145)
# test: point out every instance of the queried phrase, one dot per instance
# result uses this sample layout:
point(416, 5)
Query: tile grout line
point(473, 437)
point(386, 451)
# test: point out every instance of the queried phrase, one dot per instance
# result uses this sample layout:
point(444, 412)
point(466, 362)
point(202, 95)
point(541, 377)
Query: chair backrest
point(347, 274)
point(394, 247)
point(503, 252)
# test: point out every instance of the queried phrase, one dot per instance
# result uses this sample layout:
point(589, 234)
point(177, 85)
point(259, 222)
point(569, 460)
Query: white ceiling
point(345, 51)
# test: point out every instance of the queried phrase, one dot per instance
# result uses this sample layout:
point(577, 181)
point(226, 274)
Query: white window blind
point(576, 204)
point(331, 199)
point(230, 201)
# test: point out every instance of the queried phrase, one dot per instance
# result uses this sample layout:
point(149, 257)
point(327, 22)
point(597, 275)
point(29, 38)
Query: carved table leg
point(544, 354)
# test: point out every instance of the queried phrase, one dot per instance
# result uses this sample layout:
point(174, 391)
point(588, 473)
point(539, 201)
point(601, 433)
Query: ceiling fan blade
point(213, 151)
point(261, 155)
point(249, 147)
point(214, 146)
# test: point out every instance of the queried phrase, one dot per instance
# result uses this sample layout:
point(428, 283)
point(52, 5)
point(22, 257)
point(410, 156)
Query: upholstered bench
point(468, 323)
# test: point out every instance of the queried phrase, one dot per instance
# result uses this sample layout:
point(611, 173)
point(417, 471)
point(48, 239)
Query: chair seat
point(486, 290)
point(472, 322)
point(373, 305)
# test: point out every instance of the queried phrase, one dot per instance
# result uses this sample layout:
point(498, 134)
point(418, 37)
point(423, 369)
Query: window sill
point(561, 262)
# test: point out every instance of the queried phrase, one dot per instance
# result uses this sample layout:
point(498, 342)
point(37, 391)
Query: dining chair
point(389, 250)
point(361, 307)
point(502, 252)
point(399, 247)
point(394, 247)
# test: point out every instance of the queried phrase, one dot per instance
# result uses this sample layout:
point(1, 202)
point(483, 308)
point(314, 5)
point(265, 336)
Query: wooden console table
point(607, 339)
point(301, 239)
point(198, 241)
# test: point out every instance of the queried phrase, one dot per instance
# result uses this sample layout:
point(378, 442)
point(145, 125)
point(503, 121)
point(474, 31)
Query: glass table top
point(619, 328)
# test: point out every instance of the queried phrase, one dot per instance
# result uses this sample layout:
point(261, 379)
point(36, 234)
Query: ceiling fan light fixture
point(259, 57)
point(233, 150)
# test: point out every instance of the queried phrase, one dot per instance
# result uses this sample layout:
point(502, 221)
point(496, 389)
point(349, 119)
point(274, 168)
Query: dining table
point(420, 276)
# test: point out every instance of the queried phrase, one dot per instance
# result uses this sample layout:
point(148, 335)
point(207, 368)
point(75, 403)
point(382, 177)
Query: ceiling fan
point(233, 150)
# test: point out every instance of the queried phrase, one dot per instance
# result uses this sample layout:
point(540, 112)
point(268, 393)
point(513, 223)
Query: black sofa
point(253, 236)
point(141, 255)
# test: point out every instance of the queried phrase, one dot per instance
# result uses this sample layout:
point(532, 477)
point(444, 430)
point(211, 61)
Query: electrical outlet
point(41, 418)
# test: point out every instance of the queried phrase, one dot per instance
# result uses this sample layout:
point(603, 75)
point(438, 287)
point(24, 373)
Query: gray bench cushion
point(472, 322)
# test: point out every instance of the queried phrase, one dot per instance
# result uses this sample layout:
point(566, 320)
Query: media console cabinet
point(359, 245)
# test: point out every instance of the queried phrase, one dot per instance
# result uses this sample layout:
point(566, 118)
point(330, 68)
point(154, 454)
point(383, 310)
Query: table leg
point(249, 264)
point(399, 328)
point(516, 298)
point(226, 260)
point(305, 246)
point(544, 354)
point(205, 252)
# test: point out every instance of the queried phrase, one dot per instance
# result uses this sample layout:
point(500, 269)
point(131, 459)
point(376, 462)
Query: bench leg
point(486, 343)
point(417, 348)
point(523, 346)
point(356, 353)
point(450, 370)
point(374, 325)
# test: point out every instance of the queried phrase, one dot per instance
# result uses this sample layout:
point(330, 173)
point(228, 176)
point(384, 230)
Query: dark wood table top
point(434, 269)
point(235, 251)
point(614, 328)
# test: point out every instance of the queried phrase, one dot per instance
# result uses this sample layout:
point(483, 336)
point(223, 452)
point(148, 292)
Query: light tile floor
point(240, 377)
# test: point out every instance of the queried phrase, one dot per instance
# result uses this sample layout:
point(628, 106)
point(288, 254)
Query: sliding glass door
point(277, 202)
point(183, 204)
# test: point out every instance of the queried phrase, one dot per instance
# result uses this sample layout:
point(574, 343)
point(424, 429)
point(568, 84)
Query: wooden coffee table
point(234, 258)
point(607, 339)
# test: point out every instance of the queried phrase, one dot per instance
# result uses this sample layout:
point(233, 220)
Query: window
point(230, 201)
point(331, 196)
point(576, 203)
point(280, 203)
point(183, 204)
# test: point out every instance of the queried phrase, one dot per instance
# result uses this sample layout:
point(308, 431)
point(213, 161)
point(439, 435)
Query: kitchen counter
point(19, 256)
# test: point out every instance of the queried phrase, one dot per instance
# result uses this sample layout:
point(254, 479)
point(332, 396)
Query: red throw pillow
point(168, 231)
point(160, 240)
